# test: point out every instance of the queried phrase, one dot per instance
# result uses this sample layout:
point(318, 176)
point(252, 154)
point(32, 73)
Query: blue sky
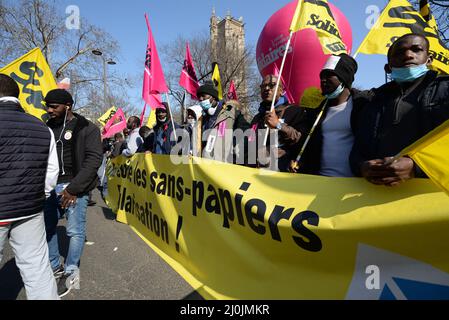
point(124, 20)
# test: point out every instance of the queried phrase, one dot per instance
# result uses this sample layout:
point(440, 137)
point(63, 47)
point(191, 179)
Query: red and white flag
point(287, 92)
point(188, 80)
point(232, 93)
point(115, 125)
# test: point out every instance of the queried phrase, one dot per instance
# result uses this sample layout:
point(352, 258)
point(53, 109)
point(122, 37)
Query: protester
point(28, 175)
point(331, 141)
point(220, 119)
point(80, 153)
point(194, 114)
point(134, 140)
point(286, 119)
point(118, 145)
point(144, 133)
point(163, 136)
point(402, 111)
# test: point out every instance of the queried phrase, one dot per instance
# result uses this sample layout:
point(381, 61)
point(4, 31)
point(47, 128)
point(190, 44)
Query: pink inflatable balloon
point(305, 58)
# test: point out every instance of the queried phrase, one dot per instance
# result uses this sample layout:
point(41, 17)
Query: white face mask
point(191, 121)
point(211, 111)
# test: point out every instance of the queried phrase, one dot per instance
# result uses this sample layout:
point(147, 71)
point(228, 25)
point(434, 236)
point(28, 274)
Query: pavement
point(116, 265)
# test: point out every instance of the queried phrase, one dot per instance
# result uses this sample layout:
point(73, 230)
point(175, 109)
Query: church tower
point(227, 37)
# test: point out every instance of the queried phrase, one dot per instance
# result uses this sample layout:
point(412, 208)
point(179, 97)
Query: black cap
point(59, 96)
point(208, 88)
point(344, 67)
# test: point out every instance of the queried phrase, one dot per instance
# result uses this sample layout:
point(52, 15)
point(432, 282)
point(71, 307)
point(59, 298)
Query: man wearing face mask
point(402, 111)
point(163, 136)
point(134, 140)
point(79, 149)
point(194, 115)
point(331, 140)
point(219, 121)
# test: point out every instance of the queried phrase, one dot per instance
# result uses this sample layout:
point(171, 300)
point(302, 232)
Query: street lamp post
point(105, 75)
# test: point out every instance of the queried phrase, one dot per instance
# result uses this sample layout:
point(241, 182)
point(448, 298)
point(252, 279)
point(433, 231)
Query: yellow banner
point(400, 18)
point(316, 15)
point(35, 80)
point(107, 116)
point(239, 233)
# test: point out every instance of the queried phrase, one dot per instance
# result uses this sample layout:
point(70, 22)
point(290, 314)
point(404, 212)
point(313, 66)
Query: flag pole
point(171, 116)
point(184, 111)
point(315, 125)
point(278, 83)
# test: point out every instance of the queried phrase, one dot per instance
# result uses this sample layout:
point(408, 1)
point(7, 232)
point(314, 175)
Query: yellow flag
point(107, 116)
point(151, 119)
point(217, 80)
point(316, 15)
point(431, 154)
point(35, 80)
point(424, 9)
point(400, 18)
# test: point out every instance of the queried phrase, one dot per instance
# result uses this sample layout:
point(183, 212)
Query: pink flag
point(115, 125)
point(188, 79)
point(232, 93)
point(286, 90)
point(153, 78)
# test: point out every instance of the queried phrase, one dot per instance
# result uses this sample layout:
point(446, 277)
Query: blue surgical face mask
point(205, 105)
point(408, 74)
point(336, 93)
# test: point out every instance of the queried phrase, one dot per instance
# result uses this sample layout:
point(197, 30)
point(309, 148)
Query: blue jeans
point(76, 229)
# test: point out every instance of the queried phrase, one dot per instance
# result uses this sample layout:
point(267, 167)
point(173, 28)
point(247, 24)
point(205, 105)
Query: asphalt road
point(116, 265)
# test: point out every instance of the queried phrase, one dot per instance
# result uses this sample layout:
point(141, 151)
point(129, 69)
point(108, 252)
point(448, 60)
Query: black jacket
point(311, 159)
point(87, 156)
point(398, 117)
point(24, 151)
point(289, 135)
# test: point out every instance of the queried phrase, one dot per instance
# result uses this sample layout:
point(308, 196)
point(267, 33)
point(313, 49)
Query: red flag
point(153, 78)
point(232, 93)
point(286, 90)
point(116, 124)
point(188, 80)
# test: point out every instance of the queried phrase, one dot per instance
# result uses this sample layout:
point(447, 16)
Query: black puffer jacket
point(24, 149)
point(398, 117)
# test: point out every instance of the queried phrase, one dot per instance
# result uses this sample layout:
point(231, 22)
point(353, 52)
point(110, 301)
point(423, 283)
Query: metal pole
point(105, 84)
point(171, 117)
point(278, 83)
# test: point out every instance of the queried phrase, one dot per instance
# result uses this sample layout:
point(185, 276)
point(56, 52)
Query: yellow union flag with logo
point(107, 116)
point(431, 153)
point(217, 80)
point(400, 18)
point(316, 15)
point(35, 80)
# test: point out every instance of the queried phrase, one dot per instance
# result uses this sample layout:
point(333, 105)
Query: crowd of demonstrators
point(332, 125)
point(79, 152)
point(29, 173)
point(285, 119)
point(352, 133)
point(402, 111)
